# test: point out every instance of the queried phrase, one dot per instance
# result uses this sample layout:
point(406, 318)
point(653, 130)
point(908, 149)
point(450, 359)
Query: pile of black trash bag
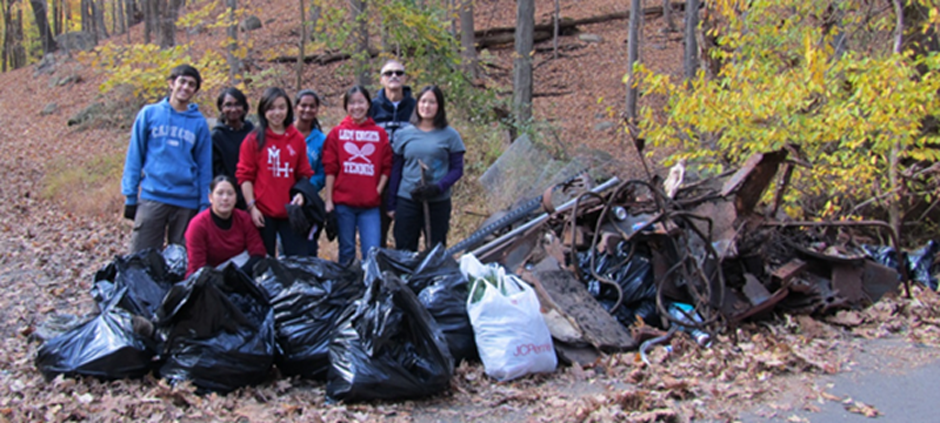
point(383, 333)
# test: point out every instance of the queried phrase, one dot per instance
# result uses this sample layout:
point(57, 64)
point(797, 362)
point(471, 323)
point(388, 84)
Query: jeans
point(155, 221)
point(409, 222)
point(294, 244)
point(367, 221)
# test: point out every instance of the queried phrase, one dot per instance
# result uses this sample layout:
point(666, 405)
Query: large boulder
point(250, 23)
point(76, 40)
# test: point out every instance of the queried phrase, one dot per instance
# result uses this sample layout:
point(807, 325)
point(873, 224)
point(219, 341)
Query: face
point(222, 198)
point(277, 113)
point(427, 106)
point(232, 110)
point(183, 88)
point(393, 76)
point(307, 108)
point(357, 107)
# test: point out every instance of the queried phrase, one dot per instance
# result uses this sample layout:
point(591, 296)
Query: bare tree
point(522, 63)
point(170, 11)
point(7, 33)
point(97, 10)
point(555, 29)
point(42, 25)
point(150, 17)
point(633, 56)
point(468, 39)
point(690, 60)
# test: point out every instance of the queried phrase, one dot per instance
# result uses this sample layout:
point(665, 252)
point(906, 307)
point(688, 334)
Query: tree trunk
point(667, 16)
point(56, 17)
point(85, 16)
point(362, 40)
point(234, 63)
point(316, 9)
point(300, 46)
point(98, 13)
point(522, 63)
point(633, 56)
point(170, 11)
point(19, 51)
point(690, 60)
point(555, 29)
point(42, 25)
point(468, 40)
point(7, 34)
point(150, 11)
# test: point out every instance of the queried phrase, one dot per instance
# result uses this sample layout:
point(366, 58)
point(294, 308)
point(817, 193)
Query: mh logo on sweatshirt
point(274, 164)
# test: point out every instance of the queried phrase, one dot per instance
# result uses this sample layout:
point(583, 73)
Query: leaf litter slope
point(49, 253)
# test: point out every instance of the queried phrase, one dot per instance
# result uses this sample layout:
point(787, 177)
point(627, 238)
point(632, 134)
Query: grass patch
point(89, 187)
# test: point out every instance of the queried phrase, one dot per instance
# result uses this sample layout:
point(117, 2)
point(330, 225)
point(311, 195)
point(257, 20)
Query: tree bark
point(56, 17)
point(42, 25)
point(98, 15)
point(522, 63)
point(19, 51)
point(234, 63)
point(633, 56)
point(690, 59)
point(150, 14)
point(468, 40)
point(7, 31)
point(170, 9)
point(300, 46)
point(556, 30)
point(363, 76)
point(667, 16)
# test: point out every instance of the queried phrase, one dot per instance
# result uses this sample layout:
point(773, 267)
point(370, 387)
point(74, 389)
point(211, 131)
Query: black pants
point(409, 223)
point(294, 244)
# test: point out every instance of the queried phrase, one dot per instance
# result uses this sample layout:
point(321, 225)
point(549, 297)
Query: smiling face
point(357, 107)
point(427, 106)
point(182, 89)
point(277, 114)
point(232, 110)
point(307, 108)
point(222, 198)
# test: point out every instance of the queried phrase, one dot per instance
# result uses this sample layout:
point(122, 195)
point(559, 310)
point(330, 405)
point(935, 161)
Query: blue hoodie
point(315, 154)
point(169, 158)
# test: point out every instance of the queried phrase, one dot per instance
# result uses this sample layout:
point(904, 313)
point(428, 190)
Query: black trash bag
point(217, 331)
point(919, 263)
point(634, 275)
point(435, 277)
point(308, 295)
point(177, 261)
point(387, 346)
point(105, 347)
point(146, 277)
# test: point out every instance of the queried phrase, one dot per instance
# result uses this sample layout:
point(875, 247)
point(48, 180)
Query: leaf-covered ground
point(53, 240)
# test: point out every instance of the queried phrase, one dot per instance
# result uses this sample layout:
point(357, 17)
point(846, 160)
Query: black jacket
point(226, 145)
point(390, 117)
point(314, 208)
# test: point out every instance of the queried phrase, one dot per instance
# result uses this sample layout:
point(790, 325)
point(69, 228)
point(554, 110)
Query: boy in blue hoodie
point(168, 165)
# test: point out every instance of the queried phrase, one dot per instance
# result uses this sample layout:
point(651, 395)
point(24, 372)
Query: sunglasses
point(393, 72)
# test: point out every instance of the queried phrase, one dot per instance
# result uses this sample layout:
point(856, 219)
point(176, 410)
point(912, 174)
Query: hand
point(425, 192)
point(130, 211)
point(256, 217)
point(391, 214)
point(298, 200)
point(328, 206)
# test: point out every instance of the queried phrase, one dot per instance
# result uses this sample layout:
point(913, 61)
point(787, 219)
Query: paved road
point(898, 378)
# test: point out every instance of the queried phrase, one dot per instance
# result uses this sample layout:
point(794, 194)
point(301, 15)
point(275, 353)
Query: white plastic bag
point(511, 335)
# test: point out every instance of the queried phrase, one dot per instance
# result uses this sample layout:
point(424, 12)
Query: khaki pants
point(157, 221)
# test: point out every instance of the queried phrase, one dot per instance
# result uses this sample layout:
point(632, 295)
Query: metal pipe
point(539, 220)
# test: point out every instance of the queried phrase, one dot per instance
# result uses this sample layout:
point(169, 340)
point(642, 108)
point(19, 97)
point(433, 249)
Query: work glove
point(425, 192)
point(130, 211)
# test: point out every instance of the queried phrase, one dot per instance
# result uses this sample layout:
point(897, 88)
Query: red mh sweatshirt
point(273, 169)
point(358, 155)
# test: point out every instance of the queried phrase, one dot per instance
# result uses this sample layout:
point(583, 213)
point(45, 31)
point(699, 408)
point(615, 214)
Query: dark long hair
point(440, 119)
point(303, 93)
point(222, 178)
point(264, 104)
point(238, 95)
point(356, 89)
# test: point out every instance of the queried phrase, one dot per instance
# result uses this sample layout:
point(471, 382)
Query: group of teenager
point(232, 192)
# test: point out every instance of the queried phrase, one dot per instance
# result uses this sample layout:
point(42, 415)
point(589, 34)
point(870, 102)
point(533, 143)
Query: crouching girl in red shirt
point(222, 232)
